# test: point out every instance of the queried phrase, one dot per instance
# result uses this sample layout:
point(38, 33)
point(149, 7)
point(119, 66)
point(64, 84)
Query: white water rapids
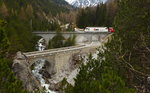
point(41, 44)
point(36, 72)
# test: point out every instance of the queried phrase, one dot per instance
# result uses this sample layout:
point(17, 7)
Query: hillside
point(18, 18)
point(24, 16)
point(39, 6)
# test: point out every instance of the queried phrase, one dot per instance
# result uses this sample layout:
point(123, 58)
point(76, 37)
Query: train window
point(86, 28)
point(97, 29)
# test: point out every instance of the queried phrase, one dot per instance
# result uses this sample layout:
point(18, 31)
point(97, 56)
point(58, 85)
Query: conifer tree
point(29, 11)
point(8, 82)
point(133, 34)
point(4, 10)
point(70, 41)
point(57, 41)
point(123, 64)
point(22, 14)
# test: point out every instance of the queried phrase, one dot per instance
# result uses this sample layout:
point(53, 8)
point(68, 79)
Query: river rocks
point(75, 61)
point(23, 72)
point(45, 73)
point(55, 87)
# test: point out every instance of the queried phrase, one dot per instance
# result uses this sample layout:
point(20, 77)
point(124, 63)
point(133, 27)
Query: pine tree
point(70, 41)
point(8, 84)
point(4, 42)
point(100, 15)
point(111, 7)
point(22, 14)
point(133, 34)
point(123, 64)
point(58, 40)
point(29, 11)
point(98, 76)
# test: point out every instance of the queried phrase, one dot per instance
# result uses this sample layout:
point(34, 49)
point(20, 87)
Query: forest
point(123, 63)
point(100, 16)
point(23, 17)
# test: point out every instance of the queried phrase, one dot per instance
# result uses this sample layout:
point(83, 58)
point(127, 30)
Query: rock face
point(23, 72)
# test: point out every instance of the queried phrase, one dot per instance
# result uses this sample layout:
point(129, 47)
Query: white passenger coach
point(99, 29)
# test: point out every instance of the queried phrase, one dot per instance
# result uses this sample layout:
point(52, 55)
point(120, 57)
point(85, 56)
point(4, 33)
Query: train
point(99, 29)
point(95, 29)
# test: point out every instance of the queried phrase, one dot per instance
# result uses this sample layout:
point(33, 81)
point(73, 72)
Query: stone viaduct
point(57, 59)
point(60, 57)
point(81, 37)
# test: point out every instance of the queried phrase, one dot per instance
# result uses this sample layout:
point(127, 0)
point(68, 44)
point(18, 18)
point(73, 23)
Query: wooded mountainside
point(123, 63)
point(24, 16)
point(17, 20)
point(102, 15)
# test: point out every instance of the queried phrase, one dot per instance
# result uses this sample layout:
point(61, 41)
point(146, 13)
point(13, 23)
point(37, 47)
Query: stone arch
point(48, 68)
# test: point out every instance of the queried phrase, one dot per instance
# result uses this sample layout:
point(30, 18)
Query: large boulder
point(23, 72)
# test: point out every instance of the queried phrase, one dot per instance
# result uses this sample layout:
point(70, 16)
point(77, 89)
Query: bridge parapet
point(49, 32)
point(81, 37)
point(51, 51)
